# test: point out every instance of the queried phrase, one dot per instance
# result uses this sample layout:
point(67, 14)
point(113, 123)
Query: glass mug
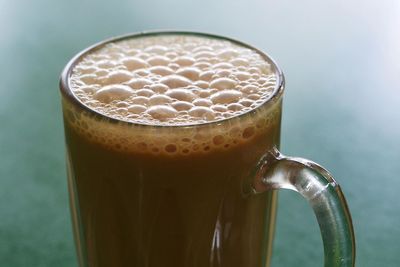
point(210, 204)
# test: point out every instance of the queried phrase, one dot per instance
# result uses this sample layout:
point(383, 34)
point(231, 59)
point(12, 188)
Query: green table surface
point(342, 109)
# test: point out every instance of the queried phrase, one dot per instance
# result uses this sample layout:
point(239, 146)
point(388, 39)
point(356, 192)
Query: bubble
point(86, 69)
point(242, 75)
point(242, 84)
point(159, 99)
point(132, 52)
point(213, 91)
point(202, 65)
point(190, 73)
point(202, 85)
point(122, 104)
point(88, 78)
point(161, 70)
point(141, 72)
point(262, 81)
point(181, 94)
point(173, 66)
point(143, 55)
point(223, 65)
point(235, 131)
point(158, 61)
point(134, 63)
point(138, 83)
point(162, 112)
point(246, 102)
point(202, 48)
point(184, 61)
point(250, 89)
point(171, 55)
point(223, 83)
point(121, 110)
point(101, 73)
point(184, 114)
point(202, 112)
point(235, 107)
point(228, 53)
point(214, 60)
point(248, 132)
point(223, 73)
point(175, 81)
point(182, 105)
point(204, 54)
point(239, 62)
point(144, 92)
point(219, 108)
point(259, 102)
point(79, 92)
point(269, 84)
point(159, 88)
point(105, 64)
point(218, 140)
point(226, 96)
point(88, 89)
point(254, 70)
point(202, 102)
point(254, 96)
point(206, 75)
point(141, 146)
point(170, 148)
point(113, 92)
point(117, 77)
point(140, 100)
point(156, 49)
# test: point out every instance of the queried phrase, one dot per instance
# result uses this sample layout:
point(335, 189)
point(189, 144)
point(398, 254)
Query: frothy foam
point(172, 80)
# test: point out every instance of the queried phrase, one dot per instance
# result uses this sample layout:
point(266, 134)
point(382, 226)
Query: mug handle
point(314, 183)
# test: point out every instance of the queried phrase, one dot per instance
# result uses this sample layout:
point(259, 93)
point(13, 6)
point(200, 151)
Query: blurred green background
point(342, 109)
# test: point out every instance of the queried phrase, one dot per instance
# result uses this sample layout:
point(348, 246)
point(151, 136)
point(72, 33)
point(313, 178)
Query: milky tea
point(162, 131)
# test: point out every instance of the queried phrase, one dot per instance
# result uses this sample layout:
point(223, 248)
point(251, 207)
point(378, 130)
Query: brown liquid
point(155, 210)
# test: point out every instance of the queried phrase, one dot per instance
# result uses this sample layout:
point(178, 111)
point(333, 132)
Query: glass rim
point(66, 91)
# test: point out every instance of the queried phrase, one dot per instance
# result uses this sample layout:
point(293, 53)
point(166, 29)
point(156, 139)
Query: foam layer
point(172, 80)
point(174, 141)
